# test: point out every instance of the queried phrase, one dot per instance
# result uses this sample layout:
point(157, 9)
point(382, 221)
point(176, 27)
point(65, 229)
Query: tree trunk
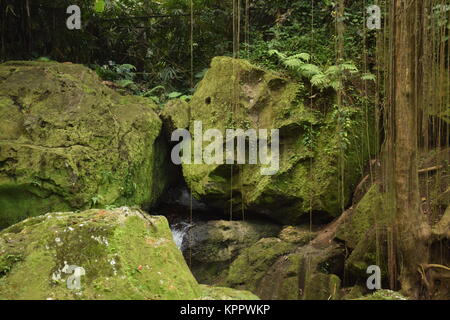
point(411, 227)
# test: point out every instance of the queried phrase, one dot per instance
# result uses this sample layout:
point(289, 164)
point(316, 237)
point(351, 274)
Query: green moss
point(214, 245)
point(368, 213)
point(175, 115)
point(125, 255)
point(365, 234)
point(275, 269)
point(252, 264)
point(297, 235)
point(384, 295)
point(355, 292)
point(219, 293)
point(237, 94)
point(69, 142)
point(321, 286)
point(18, 202)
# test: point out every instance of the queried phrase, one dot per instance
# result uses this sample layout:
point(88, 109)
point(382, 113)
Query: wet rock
point(212, 246)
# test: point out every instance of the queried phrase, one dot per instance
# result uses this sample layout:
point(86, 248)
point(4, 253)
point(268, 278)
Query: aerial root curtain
point(411, 61)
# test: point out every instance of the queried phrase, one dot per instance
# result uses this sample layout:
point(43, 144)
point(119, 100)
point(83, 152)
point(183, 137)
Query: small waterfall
point(179, 232)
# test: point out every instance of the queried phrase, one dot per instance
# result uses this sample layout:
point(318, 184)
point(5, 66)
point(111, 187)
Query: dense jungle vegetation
point(364, 118)
point(148, 44)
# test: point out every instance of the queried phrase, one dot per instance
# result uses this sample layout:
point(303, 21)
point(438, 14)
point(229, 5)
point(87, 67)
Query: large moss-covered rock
point(124, 253)
point(215, 244)
point(278, 270)
point(365, 234)
point(175, 115)
point(67, 142)
point(238, 95)
point(250, 267)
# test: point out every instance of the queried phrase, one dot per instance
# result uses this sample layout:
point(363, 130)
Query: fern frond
point(320, 80)
point(368, 77)
point(332, 70)
point(302, 56)
point(336, 85)
point(348, 67)
point(277, 53)
point(293, 63)
point(309, 70)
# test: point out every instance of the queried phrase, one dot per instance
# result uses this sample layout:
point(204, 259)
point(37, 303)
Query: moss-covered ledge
point(125, 254)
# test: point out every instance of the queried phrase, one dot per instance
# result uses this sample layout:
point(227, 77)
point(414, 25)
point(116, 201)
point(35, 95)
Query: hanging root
point(430, 273)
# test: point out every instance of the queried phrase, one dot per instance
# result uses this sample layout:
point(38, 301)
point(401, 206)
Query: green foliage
point(7, 261)
point(99, 6)
point(124, 75)
point(155, 52)
point(347, 120)
point(310, 136)
point(97, 200)
point(116, 72)
point(322, 78)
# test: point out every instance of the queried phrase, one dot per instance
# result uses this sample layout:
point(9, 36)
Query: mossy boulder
point(124, 253)
point(215, 244)
point(278, 270)
point(384, 295)
point(365, 234)
point(297, 235)
point(250, 267)
point(69, 142)
point(175, 115)
point(353, 293)
point(235, 94)
point(222, 293)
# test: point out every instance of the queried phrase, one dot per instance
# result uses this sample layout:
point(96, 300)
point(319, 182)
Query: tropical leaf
point(320, 80)
point(332, 70)
point(277, 53)
point(309, 70)
point(336, 85)
point(348, 67)
point(125, 83)
point(302, 56)
point(293, 63)
point(174, 95)
point(99, 6)
point(368, 77)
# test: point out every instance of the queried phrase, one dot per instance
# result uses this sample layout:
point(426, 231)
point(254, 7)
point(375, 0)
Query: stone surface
point(69, 142)
point(215, 244)
point(297, 235)
point(365, 235)
point(238, 95)
point(125, 254)
point(277, 270)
